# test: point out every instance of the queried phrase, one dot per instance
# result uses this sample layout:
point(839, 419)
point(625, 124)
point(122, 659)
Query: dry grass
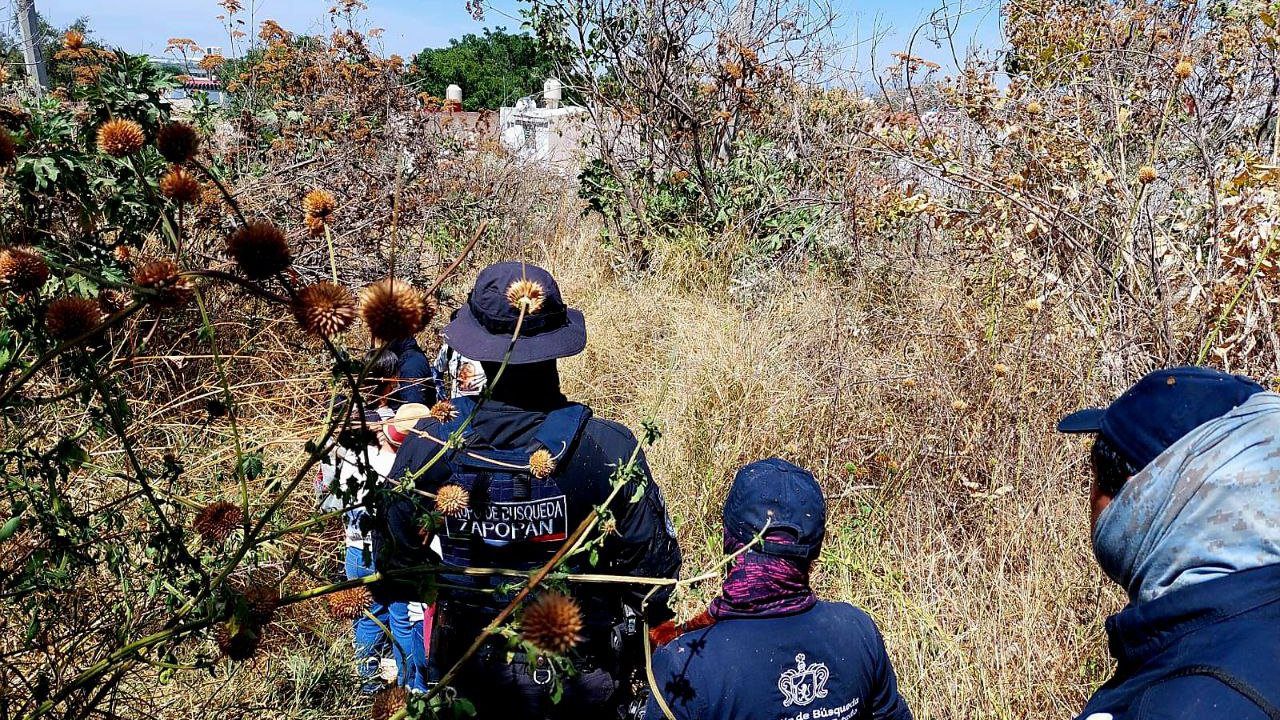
point(957, 516)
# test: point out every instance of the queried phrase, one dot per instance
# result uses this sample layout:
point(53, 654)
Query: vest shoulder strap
point(1232, 681)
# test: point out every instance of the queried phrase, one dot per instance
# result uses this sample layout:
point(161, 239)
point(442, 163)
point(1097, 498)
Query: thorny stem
point(333, 258)
point(230, 401)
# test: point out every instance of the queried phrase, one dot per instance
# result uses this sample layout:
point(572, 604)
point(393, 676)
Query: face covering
point(1207, 507)
point(760, 585)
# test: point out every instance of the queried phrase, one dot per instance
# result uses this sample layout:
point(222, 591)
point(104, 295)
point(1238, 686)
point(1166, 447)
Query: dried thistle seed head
point(113, 301)
point(71, 317)
point(527, 294)
point(1035, 107)
point(167, 286)
point(552, 623)
point(444, 411)
point(179, 186)
point(73, 40)
point(387, 702)
point(237, 641)
point(216, 521)
point(452, 500)
point(8, 148)
point(319, 204)
point(1183, 69)
point(1033, 305)
point(177, 142)
point(22, 270)
point(315, 226)
point(350, 603)
point(394, 309)
point(324, 309)
point(541, 464)
point(1147, 175)
point(120, 137)
point(260, 249)
point(262, 600)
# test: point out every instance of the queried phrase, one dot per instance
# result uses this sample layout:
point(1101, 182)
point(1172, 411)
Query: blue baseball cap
point(1161, 408)
point(775, 494)
point(481, 330)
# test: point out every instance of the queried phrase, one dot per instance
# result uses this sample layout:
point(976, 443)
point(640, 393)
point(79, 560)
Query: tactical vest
point(514, 520)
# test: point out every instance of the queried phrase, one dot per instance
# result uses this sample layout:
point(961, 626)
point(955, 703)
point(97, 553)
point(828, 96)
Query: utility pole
point(28, 22)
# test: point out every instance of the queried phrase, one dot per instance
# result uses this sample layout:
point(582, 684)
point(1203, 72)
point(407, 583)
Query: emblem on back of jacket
point(803, 684)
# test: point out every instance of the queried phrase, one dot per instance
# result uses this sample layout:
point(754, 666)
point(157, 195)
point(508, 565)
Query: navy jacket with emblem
point(826, 662)
point(1210, 651)
point(642, 544)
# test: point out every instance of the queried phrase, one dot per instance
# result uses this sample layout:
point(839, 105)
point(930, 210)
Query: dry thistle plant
point(178, 142)
point(260, 249)
point(216, 521)
point(349, 604)
point(22, 270)
point(552, 623)
point(165, 285)
point(541, 464)
point(526, 295)
point(70, 317)
point(444, 411)
point(452, 500)
point(393, 308)
point(324, 309)
point(179, 186)
point(120, 137)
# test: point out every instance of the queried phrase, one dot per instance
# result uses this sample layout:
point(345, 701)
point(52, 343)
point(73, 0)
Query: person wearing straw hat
point(1185, 516)
point(768, 648)
point(531, 467)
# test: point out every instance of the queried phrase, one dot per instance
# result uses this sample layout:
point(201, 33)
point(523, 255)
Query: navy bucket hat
point(775, 494)
point(482, 328)
point(1161, 408)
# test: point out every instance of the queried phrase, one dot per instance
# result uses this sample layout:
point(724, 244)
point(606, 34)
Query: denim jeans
point(405, 643)
point(370, 642)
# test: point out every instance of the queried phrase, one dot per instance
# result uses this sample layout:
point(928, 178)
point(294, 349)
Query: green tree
point(493, 69)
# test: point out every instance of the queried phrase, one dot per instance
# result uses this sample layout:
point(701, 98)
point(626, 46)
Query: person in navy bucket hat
point(483, 326)
point(1185, 516)
point(767, 647)
point(516, 513)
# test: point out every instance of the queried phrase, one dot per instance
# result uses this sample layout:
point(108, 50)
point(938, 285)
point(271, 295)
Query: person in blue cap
point(1185, 516)
point(768, 648)
point(531, 467)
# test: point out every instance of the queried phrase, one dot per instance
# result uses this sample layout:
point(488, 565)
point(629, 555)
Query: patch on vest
point(545, 520)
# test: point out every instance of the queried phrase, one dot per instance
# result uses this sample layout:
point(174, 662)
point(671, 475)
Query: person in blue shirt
point(1185, 512)
point(414, 373)
point(768, 648)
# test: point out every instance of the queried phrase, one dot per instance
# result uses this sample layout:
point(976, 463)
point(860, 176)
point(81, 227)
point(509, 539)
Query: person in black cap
point(1185, 516)
point(531, 467)
point(767, 648)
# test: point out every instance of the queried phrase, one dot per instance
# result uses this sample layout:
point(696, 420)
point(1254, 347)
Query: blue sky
point(410, 25)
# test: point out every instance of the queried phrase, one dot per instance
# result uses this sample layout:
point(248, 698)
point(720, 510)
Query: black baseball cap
point(775, 494)
point(481, 330)
point(1161, 408)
